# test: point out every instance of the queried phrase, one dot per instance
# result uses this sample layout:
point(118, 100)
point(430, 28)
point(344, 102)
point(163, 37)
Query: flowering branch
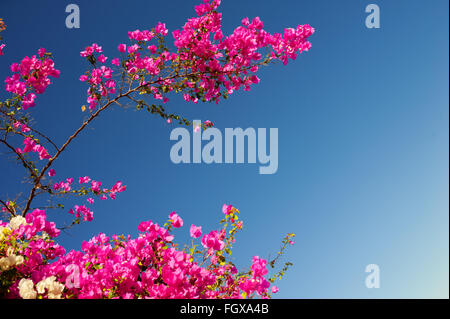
point(205, 65)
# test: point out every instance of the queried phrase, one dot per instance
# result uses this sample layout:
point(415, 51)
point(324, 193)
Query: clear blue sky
point(363, 140)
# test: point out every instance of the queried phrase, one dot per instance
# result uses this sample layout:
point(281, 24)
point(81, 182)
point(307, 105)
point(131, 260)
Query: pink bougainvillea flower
point(152, 49)
point(176, 220)
point(102, 58)
point(227, 209)
point(196, 231)
point(115, 61)
point(25, 129)
point(212, 240)
point(28, 101)
point(84, 180)
point(95, 186)
point(41, 52)
point(122, 47)
point(161, 29)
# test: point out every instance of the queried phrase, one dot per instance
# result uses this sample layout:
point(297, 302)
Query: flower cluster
point(81, 212)
point(206, 65)
point(26, 246)
point(149, 266)
point(30, 77)
point(48, 287)
point(32, 146)
point(23, 127)
point(99, 78)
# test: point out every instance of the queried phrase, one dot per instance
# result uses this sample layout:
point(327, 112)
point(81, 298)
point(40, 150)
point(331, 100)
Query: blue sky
point(363, 140)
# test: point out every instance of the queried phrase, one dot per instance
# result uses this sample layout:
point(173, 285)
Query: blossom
point(122, 267)
point(212, 240)
point(161, 29)
point(115, 61)
point(1, 48)
point(28, 101)
point(176, 220)
point(259, 266)
point(196, 231)
point(122, 47)
point(51, 172)
point(31, 145)
point(16, 221)
point(26, 289)
point(101, 58)
point(84, 180)
point(227, 209)
point(133, 48)
point(41, 52)
point(31, 74)
point(53, 288)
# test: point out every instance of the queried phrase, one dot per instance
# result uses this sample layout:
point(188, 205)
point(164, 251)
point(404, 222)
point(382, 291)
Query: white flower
point(26, 290)
point(19, 260)
point(55, 290)
point(12, 260)
point(4, 263)
point(16, 221)
point(53, 287)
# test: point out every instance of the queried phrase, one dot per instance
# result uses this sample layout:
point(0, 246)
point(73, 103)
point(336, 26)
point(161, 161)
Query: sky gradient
point(363, 140)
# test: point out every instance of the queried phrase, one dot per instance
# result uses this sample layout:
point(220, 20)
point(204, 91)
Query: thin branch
point(32, 129)
point(8, 208)
point(25, 163)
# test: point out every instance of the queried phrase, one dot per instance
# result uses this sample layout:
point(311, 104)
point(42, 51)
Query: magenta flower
point(95, 186)
point(212, 240)
point(227, 209)
point(152, 49)
point(196, 231)
point(161, 29)
point(84, 180)
point(122, 47)
point(115, 61)
point(102, 58)
point(51, 172)
point(41, 52)
point(176, 220)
